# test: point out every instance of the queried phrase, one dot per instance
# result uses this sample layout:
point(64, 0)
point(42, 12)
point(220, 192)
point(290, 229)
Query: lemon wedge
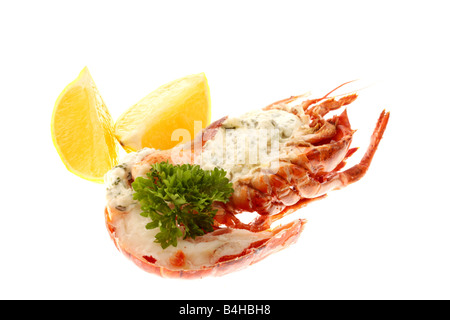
point(176, 105)
point(83, 130)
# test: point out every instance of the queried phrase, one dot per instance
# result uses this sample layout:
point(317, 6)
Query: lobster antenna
point(349, 92)
point(339, 87)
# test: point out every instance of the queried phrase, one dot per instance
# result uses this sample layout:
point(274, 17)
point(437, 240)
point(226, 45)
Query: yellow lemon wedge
point(83, 130)
point(153, 120)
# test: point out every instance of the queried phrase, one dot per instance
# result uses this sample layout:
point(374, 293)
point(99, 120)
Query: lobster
point(310, 164)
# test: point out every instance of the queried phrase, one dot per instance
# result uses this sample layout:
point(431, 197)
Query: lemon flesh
point(83, 130)
point(176, 105)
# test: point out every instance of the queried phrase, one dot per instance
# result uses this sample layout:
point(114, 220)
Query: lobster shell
point(282, 237)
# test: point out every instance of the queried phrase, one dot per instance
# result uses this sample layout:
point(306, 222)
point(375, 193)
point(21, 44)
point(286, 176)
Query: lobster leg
point(326, 157)
point(277, 104)
point(264, 222)
point(339, 180)
point(330, 104)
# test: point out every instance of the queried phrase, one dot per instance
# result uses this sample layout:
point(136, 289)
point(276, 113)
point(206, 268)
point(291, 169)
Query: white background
point(386, 237)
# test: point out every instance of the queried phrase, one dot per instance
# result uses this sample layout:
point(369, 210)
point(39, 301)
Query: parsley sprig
point(178, 199)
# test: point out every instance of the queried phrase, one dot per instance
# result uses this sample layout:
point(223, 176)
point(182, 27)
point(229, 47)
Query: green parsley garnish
point(178, 199)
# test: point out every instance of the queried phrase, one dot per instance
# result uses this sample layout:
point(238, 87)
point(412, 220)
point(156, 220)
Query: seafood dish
point(277, 160)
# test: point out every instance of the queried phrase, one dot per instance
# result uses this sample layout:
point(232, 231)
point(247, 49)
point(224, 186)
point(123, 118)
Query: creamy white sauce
point(119, 194)
point(278, 125)
point(254, 140)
